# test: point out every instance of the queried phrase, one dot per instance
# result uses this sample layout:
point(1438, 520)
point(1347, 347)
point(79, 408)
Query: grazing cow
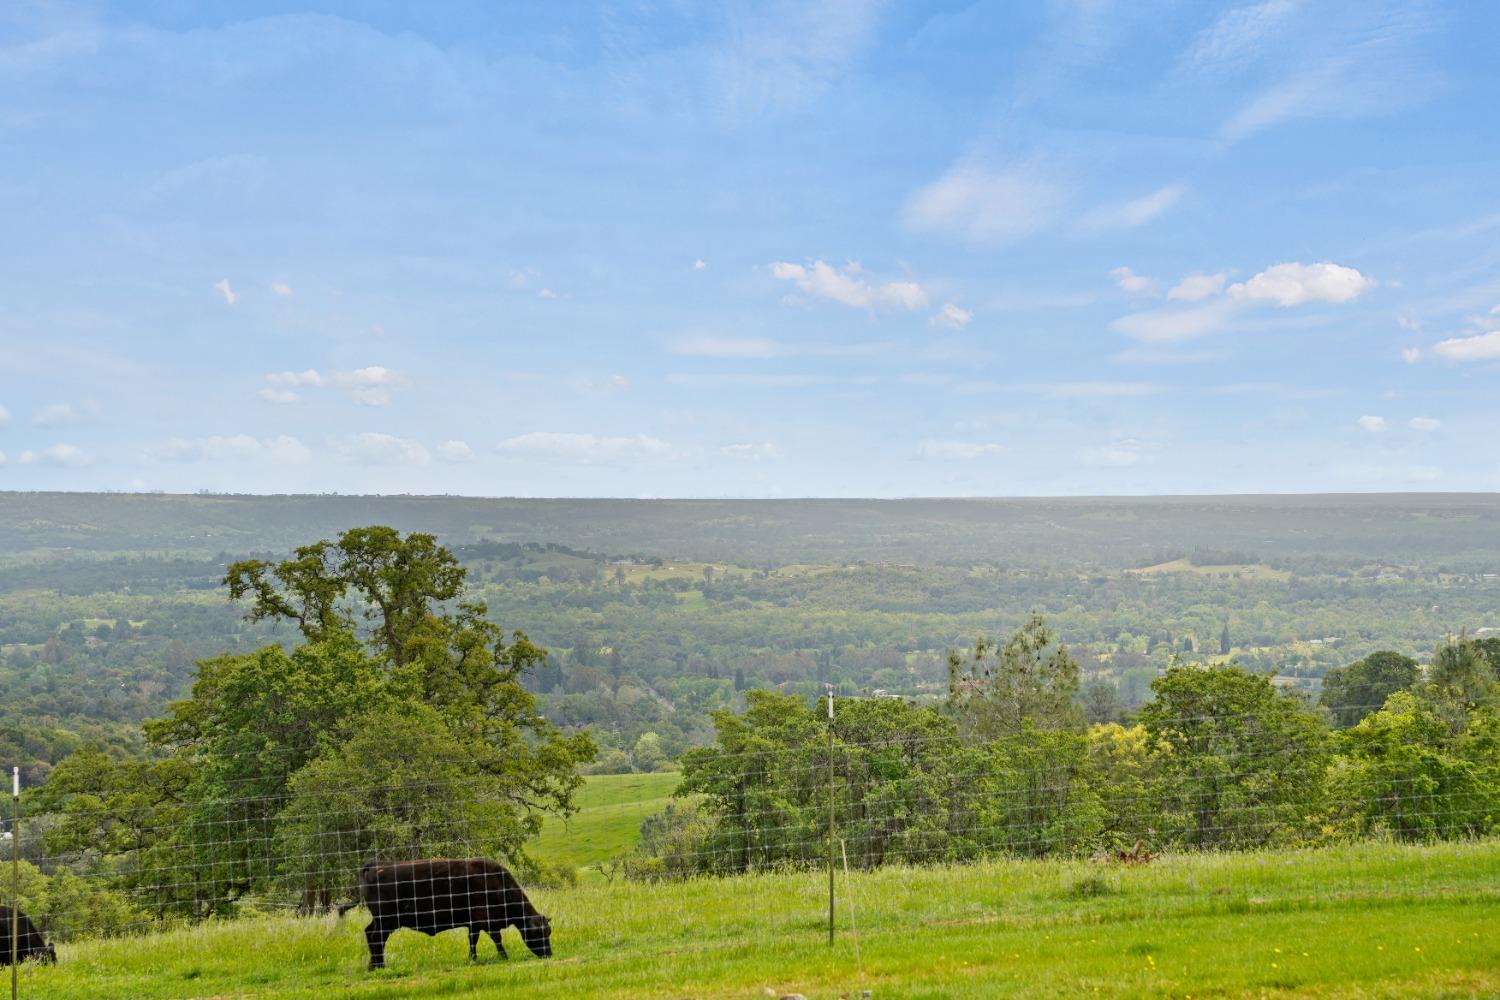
point(29, 941)
point(442, 893)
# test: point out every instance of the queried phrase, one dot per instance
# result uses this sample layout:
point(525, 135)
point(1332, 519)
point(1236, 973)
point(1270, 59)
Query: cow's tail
point(359, 888)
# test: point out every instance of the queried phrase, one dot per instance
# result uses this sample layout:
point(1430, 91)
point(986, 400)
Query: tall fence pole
point(830, 814)
point(15, 878)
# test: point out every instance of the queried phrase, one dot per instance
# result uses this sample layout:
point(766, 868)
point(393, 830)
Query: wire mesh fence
point(933, 830)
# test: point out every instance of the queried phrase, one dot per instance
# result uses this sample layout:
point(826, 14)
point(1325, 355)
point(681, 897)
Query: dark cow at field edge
point(443, 893)
point(29, 940)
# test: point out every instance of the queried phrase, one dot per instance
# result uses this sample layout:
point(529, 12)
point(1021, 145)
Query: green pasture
point(1358, 921)
point(608, 821)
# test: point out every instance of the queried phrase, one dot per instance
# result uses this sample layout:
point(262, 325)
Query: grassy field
point(608, 821)
point(1364, 921)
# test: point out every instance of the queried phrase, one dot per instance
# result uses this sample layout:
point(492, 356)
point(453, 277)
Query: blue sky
point(781, 249)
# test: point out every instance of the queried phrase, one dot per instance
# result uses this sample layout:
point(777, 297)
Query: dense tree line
point(1218, 759)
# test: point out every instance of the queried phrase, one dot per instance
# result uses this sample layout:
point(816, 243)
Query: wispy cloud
point(1350, 61)
point(373, 448)
point(983, 204)
point(58, 415)
point(779, 56)
point(583, 448)
point(1132, 283)
point(56, 455)
point(952, 316)
point(1424, 424)
point(1134, 212)
point(1373, 424)
point(957, 451)
point(752, 451)
point(281, 288)
point(222, 286)
point(1176, 323)
point(848, 286)
point(1196, 287)
point(370, 386)
point(455, 451)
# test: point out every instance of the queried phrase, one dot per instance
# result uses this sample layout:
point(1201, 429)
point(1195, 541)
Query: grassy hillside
point(608, 821)
point(1366, 921)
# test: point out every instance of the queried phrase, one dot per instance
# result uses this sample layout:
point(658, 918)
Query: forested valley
point(107, 603)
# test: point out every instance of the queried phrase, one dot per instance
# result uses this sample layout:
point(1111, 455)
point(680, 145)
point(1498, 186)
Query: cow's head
point(536, 931)
point(48, 954)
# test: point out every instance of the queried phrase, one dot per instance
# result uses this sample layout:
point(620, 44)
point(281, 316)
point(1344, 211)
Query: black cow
point(29, 941)
point(442, 893)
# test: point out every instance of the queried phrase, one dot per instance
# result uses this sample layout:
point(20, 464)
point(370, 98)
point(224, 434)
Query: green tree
point(1354, 691)
point(401, 787)
point(1401, 771)
point(1224, 640)
point(1460, 680)
point(1242, 764)
point(1101, 703)
point(995, 690)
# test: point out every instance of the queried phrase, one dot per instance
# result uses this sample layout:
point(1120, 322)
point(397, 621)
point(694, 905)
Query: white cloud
point(545, 293)
point(281, 397)
point(380, 449)
point(281, 288)
point(957, 451)
point(1411, 355)
point(309, 377)
point(1374, 425)
point(700, 264)
point(1129, 281)
point(1424, 423)
point(57, 415)
point(4, 418)
point(583, 448)
point(1196, 287)
point(1171, 324)
point(985, 205)
point(1293, 284)
point(1135, 212)
point(454, 451)
point(846, 285)
point(1240, 33)
point(751, 451)
point(1481, 347)
point(370, 386)
point(222, 286)
point(233, 448)
point(952, 316)
point(58, 454)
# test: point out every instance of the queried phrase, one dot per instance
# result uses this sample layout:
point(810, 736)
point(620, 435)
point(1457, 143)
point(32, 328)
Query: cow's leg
point(375, 934)
point(474, 931)
point(494, 930)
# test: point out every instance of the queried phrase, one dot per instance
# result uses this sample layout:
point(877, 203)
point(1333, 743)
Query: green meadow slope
point(1361, 921)
point(608, 821)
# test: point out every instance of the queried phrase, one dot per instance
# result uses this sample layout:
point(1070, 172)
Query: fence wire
point(740, 850)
